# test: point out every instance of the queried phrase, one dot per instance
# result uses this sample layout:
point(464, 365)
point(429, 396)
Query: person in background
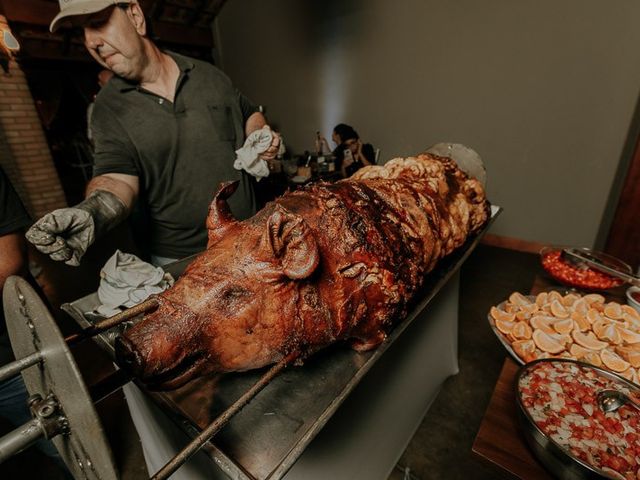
point(165, 130)
point(350, 153)
point(13, 261)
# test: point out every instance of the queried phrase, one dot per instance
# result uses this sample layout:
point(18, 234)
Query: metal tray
point(266, 438)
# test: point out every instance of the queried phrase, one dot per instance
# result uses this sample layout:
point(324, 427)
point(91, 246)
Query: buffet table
point(343, 415)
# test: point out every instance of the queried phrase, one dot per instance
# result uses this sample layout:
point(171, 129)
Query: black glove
point(66, 233)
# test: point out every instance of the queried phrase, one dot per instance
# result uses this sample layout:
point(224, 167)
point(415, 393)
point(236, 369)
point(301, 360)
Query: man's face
point(115, 41)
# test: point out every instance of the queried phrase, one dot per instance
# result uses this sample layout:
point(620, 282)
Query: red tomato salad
point(571, 275)
point(560, 397)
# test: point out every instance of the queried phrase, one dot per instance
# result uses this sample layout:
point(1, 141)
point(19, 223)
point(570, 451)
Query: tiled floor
point(441, 446)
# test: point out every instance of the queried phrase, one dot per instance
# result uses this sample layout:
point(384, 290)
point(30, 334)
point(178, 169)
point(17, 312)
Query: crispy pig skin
point(328, 262)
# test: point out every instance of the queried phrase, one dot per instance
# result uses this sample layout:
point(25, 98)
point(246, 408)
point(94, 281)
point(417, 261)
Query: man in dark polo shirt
point(165, 130)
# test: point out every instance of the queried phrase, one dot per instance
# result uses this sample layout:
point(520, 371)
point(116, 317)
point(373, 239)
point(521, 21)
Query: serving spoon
point(612, 400)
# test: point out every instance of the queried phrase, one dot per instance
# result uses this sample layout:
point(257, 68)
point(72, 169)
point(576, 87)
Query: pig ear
point(220, 218)
point(293, 243)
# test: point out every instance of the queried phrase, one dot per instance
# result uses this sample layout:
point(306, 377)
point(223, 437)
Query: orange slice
point(613, 361)
point(578, 351)
point(594, 298)
point(593, 315)
point(613, 310)
point(498, 314)
point(593, 358)
point(581, 306)
point(510, 307)
point(599, 326)
point(547, 343)
point(630, 355)
point(544, 323)
point(541, 299)
point(518, 299)
point(522, 316)
point(539, 354)
point(553, 295)
point(588, 340)
point(563, 326)
point(569, 299)
point(632, 312)
point(559, 310)
point(630, 319)
point(505, 326)
point(580, 321)
point(530, 308)
point(629, 336)
point(611, 334)
point(525, 349)
point(522, 331)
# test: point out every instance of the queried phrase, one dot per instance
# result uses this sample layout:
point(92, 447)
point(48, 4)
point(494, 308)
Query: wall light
point(10, 42)
point(9, 46)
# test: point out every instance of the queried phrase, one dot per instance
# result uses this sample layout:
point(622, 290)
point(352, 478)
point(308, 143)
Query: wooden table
point(500, 441)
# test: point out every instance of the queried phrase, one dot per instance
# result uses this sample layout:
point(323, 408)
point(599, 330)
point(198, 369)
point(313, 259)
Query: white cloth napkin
point(125, 281)
point(247, 156)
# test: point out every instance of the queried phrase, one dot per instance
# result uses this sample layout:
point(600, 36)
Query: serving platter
point(573, 326)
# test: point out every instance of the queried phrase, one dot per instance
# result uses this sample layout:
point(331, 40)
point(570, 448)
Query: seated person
point(350, 154)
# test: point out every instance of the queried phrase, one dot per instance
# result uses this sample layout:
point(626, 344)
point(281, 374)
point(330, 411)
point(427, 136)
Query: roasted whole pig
point(329, 262)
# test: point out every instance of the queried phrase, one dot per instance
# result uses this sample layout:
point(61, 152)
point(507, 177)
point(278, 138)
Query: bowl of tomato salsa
point(565, 426)
point(582, 277)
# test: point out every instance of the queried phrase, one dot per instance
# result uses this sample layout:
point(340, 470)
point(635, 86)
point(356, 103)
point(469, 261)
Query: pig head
point(234, 308)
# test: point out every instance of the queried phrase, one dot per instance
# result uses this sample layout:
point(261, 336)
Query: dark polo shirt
point(180, 151)
point(13, 218)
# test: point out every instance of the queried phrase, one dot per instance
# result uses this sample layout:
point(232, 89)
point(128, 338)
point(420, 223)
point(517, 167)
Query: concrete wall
point(545, 91)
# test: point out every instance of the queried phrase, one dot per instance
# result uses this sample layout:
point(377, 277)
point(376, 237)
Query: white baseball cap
point(71, 8)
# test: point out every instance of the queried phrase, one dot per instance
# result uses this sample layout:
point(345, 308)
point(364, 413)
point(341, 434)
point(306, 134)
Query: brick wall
point(24, 152)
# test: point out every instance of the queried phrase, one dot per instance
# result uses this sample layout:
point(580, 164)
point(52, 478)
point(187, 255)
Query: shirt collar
point(184, 64)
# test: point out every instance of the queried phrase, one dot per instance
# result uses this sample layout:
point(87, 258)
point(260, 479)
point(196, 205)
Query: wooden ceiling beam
point(32, 12)
point(41, 12)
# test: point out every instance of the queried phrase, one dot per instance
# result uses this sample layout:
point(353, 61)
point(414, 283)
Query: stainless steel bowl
point(557, 460)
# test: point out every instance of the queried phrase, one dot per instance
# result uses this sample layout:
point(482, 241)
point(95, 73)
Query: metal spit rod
point(213, 428)
point(20, 438)
point(111, 322)
point(12, 369)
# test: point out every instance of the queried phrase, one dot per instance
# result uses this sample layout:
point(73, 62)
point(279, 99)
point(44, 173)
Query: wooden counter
point(500, 441)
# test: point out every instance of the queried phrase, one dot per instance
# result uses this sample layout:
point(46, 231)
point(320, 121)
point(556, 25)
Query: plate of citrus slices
point(580, 327)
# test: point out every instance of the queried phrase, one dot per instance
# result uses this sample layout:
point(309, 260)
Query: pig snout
point(128, 356)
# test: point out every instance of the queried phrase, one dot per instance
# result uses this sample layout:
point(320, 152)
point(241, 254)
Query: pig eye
point(234, 293)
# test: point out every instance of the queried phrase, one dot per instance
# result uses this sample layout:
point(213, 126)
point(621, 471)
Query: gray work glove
point(66, 233)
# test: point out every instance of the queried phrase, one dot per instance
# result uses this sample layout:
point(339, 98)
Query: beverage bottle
point(318, 143)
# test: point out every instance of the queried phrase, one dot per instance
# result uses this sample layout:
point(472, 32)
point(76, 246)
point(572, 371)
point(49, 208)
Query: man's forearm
point(125, 187)
point(255, 122)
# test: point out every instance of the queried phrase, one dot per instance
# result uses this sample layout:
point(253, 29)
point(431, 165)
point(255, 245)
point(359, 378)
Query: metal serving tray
point(265, 439)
